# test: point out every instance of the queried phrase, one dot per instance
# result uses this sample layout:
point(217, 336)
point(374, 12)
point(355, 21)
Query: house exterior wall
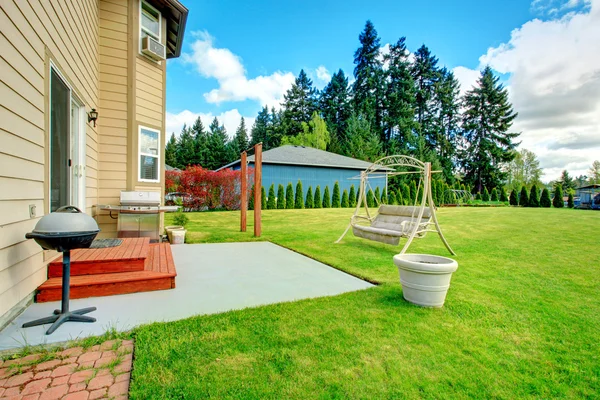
point(34, 34)
point(314, 176)
point(94, 44)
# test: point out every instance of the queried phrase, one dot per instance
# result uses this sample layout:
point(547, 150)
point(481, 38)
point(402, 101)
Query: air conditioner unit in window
point(153, 48)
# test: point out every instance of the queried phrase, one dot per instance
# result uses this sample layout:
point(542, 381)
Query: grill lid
point(140, 198)
point(66, 220)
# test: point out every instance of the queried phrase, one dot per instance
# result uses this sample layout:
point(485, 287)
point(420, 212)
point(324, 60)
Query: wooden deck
point(112, 271)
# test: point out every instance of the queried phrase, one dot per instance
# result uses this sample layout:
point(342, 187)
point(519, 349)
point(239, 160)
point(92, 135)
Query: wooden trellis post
point(244, 191)
point(257, 189)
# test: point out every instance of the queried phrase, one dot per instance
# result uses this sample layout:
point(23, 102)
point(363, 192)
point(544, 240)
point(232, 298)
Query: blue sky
point(239, 55)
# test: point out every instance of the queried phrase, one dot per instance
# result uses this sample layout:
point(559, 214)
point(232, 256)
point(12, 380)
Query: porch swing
point(395, 222)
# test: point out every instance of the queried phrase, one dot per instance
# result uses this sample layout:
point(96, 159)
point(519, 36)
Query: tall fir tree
point(185, 149)
point(299, 103)
point(399, 121)
point(446, 122)
point(425, 74)
point(241, 137)
point(260, 128)
point(487, 119)
point(274, 130)
point(280, 197)
point(362, 143)
point(218, 154)
point(171, 152)
point(200, 143)
point(318, 203)
point(368, 88)
point(335, 106)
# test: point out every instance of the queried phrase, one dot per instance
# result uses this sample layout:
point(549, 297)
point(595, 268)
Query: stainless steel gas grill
point(138, 214)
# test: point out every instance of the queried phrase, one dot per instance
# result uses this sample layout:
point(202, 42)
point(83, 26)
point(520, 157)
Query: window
point(150, 21)
point(148, 145)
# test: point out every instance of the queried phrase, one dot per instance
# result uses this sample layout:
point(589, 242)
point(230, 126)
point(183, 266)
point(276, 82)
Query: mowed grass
point(521, 318)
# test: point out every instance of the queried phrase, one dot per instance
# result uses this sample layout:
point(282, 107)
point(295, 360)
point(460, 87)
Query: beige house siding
point(113, 97)
point(33, 34)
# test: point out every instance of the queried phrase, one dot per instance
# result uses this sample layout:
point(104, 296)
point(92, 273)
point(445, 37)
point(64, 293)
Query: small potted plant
point(176, 233)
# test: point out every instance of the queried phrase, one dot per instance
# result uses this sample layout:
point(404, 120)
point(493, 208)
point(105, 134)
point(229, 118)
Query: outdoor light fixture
point(93, 116)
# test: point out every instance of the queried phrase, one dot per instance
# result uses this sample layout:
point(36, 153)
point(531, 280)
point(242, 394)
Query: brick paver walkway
point(100, 372)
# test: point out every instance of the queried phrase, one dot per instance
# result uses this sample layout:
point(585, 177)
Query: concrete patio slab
point(211, 278)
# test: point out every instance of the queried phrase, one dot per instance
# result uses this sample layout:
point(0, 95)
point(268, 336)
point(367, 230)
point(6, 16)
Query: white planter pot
point(170, 229)
point(178, 236)
point(425, 278)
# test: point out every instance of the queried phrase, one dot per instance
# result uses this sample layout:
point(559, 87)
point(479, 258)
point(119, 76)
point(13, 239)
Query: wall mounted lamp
point(93, 116)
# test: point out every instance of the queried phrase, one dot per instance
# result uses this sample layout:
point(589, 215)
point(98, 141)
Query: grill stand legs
point(63, 315)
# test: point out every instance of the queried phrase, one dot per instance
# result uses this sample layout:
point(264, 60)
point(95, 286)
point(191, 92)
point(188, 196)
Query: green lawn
point(521, 318)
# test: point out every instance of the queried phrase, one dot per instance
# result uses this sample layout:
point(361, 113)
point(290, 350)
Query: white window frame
point(142, 29)
point(140, 154)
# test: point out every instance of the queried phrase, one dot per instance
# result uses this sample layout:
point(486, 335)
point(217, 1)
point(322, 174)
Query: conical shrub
point(494, 195)
point(377, 194)
point(557, 201)
point(413, 192)
point(289, 196)
point(503, 196)
point(406, 199)
point(392, 199)
point(271, 202)
point(370, 198)
point(570, 201)
point(534, 197)
point(317, 203)
point(523, 197)
point(486, 195)
point(299, 201)
point(352, 197)
point(513, 200)
point(251, 199)
point(345, 203)
point(280, 197)
point(326, 198)
point(335, 200)
point(308, 203)
point(545, 199)
point(263, 198)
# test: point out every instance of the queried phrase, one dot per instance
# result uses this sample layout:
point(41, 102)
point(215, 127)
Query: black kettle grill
point(63, 230)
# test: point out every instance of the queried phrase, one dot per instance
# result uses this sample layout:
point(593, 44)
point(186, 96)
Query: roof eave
point(183, 14)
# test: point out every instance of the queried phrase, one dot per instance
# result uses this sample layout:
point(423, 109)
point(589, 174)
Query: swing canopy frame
point(395, 222)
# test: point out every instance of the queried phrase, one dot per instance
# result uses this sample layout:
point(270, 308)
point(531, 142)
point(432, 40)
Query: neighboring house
point(59, 61)
point(586, 195)
point(314, 167)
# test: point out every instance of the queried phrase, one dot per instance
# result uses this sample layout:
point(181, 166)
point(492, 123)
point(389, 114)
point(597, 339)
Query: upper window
point(150, 21)
point(149, 161)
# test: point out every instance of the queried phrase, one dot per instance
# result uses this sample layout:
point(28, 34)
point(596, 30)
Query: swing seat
point(392, 223)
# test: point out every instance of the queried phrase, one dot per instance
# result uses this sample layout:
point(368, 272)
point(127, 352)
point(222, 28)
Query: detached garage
point(288, 164)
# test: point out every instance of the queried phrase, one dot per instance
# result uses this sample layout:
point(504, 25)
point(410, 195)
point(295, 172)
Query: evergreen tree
point(352, 197)
point(308, 203)
point(567, 182)
point(271, 202)
point(399, 100)
point(557, 201)
point(534, 197)
point(486, 195)
point(289, 196)
point(545, 199)
point(377, 194)
point(251, 199)
point(280, 197)
point(406, 194)
point(513, 201)
point(200, 138)
point(370, 198)
point(171, 152)
point(217, 146)
point(335, 200)
point(487, 119)
point(299, 201)
point(317, 203)
point(299, 104)
point(336, 109)
point(362, 142)
point(368, 87)
point(503, 196)
point(494, 195)
point(345, 203)
point(570, 202)
point(524, 197)
point(241, 137)
point(384, 197)
point(425, 75)
point(185, 149)
point(259, 129)
point(478, 196)
point(263, 198)
point(392, 198)
point(399, 198)
point(314, 134)
point(413, 192)
point(326, 198)
point(274, 130)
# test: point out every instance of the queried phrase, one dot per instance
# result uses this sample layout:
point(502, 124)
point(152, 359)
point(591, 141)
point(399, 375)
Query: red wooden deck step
point(158, 274)
point(129, 256)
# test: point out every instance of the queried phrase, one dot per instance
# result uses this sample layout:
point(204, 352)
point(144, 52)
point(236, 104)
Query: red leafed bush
point(172, 181)
point(209, 190)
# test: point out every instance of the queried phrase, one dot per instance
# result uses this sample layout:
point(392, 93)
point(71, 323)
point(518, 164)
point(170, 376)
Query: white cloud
point(230, 119)
point(323, 74)
point(228, 70)
point(466, 77)
point(554, 84)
